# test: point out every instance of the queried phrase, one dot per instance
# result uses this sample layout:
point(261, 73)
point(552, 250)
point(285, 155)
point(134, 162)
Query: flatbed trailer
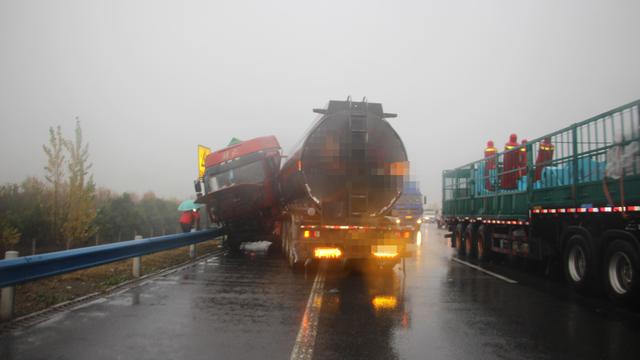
point(575, 198)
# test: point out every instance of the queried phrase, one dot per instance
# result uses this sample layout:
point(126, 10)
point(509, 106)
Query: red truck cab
point(240, 188)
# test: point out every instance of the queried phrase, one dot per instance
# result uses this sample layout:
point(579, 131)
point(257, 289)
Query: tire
point(470, 247)
point(232, 244)
point(483, 244)
point(283, 237)
point(459, 239)
point(578, 263)
point(295, 265)
point(622, 271)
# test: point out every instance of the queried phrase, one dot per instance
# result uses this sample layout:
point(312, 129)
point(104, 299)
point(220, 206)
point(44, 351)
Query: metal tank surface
point(350, 166)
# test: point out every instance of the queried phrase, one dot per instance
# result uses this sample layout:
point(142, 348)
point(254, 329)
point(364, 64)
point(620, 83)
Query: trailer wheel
point(232, 244)
point(284, 230)
point(578, 262)
point(622, 269)
point(459, 239)
point(483, 244)
point(296, 266)
point(470, 242)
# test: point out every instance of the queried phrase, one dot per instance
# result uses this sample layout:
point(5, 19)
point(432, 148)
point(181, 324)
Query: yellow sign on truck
point(203, 151)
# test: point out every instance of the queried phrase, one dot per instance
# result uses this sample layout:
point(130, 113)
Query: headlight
point(419, 221)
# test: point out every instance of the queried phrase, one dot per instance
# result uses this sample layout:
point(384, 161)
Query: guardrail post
point(8, 300)
point(136, 261)
point(192, 251)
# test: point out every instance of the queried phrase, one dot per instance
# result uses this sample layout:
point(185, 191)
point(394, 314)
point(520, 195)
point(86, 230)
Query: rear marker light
point(327, 253)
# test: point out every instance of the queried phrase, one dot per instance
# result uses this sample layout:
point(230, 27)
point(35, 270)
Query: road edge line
point(305, 341)
point(498, 276)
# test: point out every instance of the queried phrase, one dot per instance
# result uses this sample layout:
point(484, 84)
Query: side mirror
point(198, 186)
point(424, 199)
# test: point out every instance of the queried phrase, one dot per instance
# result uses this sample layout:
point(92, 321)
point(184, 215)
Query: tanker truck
point(339, 185)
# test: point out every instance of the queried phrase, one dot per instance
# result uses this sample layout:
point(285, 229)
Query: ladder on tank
point(358, 187)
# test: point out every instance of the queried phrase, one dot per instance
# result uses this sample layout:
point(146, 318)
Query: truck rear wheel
point(295, 264)
point(578, 262)
point(459, 239)
point(470, 243)
point(621, 271)
point(232, 244)
point(483, 244)
point(284, 231)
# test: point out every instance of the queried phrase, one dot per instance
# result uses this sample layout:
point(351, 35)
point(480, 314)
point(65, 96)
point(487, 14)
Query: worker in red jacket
point(510, 162)
point(490, 164)
point(545, 155)
point(522, 157)
point(188, 219)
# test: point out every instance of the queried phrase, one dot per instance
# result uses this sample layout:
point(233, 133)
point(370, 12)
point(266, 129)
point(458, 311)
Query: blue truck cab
point(409, 207)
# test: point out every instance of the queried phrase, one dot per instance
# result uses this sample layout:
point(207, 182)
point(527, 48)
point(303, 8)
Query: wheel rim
point(620, 273)
point(577, 262)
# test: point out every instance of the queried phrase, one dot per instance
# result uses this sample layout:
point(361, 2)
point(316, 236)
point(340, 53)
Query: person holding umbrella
point(190, 215)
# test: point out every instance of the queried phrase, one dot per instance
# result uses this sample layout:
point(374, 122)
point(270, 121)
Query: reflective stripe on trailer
point(582, 210)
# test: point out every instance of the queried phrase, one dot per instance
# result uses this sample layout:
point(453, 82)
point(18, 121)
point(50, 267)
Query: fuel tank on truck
point(349, 167)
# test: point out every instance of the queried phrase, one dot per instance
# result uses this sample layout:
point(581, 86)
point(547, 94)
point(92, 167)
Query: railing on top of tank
point(605, 145)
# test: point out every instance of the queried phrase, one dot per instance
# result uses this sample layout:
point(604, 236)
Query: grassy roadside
point(41, 294)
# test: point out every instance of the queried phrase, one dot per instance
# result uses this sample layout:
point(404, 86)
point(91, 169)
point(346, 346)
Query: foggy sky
point(150, 80)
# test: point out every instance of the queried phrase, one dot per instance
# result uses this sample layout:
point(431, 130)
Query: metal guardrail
point(29, 268)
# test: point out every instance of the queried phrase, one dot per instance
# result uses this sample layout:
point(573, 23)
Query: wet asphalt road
point(253, 307)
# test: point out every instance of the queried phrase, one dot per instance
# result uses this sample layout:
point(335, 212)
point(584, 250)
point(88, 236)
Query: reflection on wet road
point(239, 307)
point(252, 307)
point(443, 309)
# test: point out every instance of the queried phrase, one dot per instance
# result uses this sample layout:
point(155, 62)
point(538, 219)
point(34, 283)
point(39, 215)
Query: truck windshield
point(251, 173)
point(410, 199)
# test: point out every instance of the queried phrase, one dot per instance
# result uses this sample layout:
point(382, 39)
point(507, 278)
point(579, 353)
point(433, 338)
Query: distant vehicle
point(339, 185)
point(571, 197)
point(440, 221)
point(408, 210)
point(240, 189)
point(430, 216)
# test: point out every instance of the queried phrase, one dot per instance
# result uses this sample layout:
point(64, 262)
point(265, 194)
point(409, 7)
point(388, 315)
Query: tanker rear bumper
point(351, 249)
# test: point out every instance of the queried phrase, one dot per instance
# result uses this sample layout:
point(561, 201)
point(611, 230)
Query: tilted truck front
point(339, 184)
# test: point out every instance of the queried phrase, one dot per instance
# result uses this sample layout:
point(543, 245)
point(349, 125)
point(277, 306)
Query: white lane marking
point(303, 348)
point(503, 278)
